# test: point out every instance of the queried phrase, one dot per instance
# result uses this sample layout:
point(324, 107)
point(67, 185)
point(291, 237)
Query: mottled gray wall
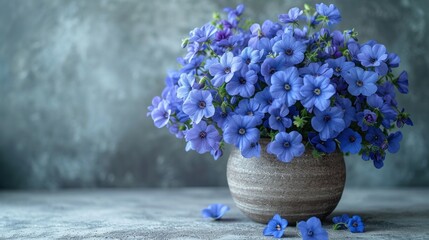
point(76, 78)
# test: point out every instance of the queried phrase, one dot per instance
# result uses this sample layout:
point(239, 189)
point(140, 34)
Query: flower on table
point(276, 227)
point(312, 229)
point(215, 211)
point(361, 82)
point(198, 105)
point(286, 146)
point(356, 225)
point(340, 222)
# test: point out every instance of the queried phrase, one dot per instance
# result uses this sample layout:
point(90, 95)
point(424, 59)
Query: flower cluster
point(354, 224)
point(309, 230)
point(296, 81)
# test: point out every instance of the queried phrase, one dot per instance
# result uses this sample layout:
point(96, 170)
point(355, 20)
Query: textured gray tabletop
point(175, 214)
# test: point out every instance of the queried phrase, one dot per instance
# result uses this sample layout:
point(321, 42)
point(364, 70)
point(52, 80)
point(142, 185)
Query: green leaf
point(299, 122)
point(317, 154)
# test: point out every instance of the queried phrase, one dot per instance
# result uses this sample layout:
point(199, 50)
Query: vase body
point(305, 187)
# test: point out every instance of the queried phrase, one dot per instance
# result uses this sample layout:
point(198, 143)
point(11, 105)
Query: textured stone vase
point(305, 187)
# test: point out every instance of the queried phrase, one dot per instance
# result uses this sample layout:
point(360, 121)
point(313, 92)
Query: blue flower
point(202, 138)
point(241, 131)
point(161, 114)
point(268, 29)
point(198, 105)
point(249, 107)
point(292, 16)
point(393, 60)
point(389, 114)
point(372, 56)
point(341, 219)
point(278, 117)
point(276, 227)
point(340, 65)
point(216, 153)
point(291, 50)
point(375, 136)
point(286, 146)
point(355, 224)
point(361, 82)
point(186, 82)
point(312, 229)
point(243, 85)
point(286, 85)
point(221, 116)
point(315, 69)
point(215, 211)
point(327, 146)
point(328, 123)
point(264, 99)
point(402, 83)
point(403, 118)
point(155, 102)
point(393, 141)
point(317, 92)
point(330, 15)
point(348, 109)
point(271, 66)
point(250, 58)
point(366, 118)
point(251, 149)
point(350, 141)
point(225, 69)
point(202, 34)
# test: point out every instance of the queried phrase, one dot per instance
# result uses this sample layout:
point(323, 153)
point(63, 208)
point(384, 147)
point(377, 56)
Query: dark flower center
point(352, 139)
point(286, 144)
point(355, 224)
point(249, 113)
point(270, 101)
point(369, 118)
point(337, 69)
point(326, 118)
point(252, 145)
point(223, 114)
point(241, 131)
point(242, 80)
point(272, 71)
point(287, 87)
point(317, 91)
point(359, 83)
point(203, 134)
point(166, 115)
point(202, 104)
point(310, 233)
point(227, 70)
point(278, 118)
point(372, 60)
point(278, 227)
point(248, 61)
point(289, 52)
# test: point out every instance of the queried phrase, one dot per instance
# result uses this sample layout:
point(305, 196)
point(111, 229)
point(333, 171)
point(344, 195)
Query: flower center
point(326, 118)
point(252, 145)
point(166, 115)
point(287, 87)
point(372, 60)
point(272, 71)
point(278, 227)
point(317, 91)
point(242, 131)
point(242, 80)
point(202, 104)
point(355, 224)
point(352, 139)
point(278, 118)
point(249, 113)
point(248, 61)
point(227, 70)
point(337, 69)
point(286, 144)
point(289, 52)
point(203, 134)
point(359, 83)
point(310, 233)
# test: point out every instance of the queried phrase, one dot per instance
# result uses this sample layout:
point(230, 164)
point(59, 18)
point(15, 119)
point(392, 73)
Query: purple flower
point(389, 114)
point(317, 92)
point(202, 34)
point(185, 83)
point(393, 141)
point(155, 102)
point(403, 118)
point(198, 105)
point(330, 15)
point(312, 229)
point(366, 118)
point(361, 82)
point(286, 85)
point(393, 60)
point(271, 66)
point(225, 69)
point(215, 211)
point(315, 70)
point(161, 114)
point(340, 66)
point(276, 227)
point(202, 138)
point(290, 49)
point(241, 131)
point(327, 146)
point(286, 146)
point(375, 136)
point(350, 141)
point(402, 83)
point(328, 123)
point(264, 99)
point(243, 85)
point(292, 16)
point(278, 117)
point(355, 224)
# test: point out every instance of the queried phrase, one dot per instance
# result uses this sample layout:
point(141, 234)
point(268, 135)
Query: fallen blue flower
point(312, 229)
point(340, 222)
point(355, 224)
point(276, 227)
point(215, 211)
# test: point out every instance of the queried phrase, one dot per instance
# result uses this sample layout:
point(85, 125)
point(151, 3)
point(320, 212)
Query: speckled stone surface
point(175, 214)
point(304, 187)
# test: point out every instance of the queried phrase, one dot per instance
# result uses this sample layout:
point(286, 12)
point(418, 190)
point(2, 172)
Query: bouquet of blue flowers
point(296, 81)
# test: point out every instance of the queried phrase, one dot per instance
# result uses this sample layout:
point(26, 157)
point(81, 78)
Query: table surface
point(175, 214)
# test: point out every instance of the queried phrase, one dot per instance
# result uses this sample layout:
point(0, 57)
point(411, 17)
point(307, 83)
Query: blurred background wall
point(76, 78)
